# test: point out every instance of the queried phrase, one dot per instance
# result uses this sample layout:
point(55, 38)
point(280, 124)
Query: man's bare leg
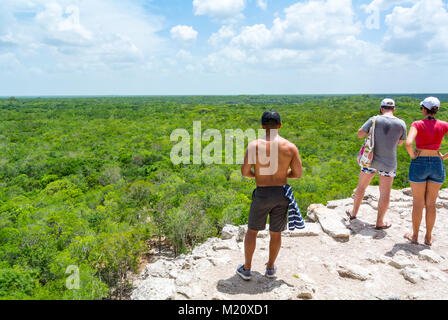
point(419, 201)
point(364, 181)
point(274, 248)
point(250, 242)
point(383, 202)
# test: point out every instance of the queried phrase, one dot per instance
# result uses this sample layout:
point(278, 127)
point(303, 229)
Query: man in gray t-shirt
point(390, 132)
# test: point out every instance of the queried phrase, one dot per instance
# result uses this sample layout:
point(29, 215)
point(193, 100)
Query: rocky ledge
point(332, 258)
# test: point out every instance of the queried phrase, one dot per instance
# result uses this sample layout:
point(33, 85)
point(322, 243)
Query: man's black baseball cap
point(271, 118)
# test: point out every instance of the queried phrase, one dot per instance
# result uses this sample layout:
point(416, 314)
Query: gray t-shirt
point(388, 132)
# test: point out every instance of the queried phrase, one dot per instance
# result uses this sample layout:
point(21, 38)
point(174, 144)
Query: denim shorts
point(424, 169)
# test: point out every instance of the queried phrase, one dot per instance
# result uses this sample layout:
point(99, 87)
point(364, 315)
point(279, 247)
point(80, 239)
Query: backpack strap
point(372, 130)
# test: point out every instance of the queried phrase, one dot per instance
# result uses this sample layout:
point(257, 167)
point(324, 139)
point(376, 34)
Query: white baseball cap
point(388, 103)
point(430, 103)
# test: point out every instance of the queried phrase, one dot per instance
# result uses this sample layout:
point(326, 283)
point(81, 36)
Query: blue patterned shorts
point(390, 174)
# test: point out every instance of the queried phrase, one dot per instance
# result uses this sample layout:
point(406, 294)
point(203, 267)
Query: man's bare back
point(272, 168)
point(271, 160)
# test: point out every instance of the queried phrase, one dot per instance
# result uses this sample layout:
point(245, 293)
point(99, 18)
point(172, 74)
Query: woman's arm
point(410, 143)
point(444, 157)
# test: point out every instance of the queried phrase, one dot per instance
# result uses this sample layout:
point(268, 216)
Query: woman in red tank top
point(427, 171)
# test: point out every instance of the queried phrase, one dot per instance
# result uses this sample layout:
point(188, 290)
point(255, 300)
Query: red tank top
point(430, 133)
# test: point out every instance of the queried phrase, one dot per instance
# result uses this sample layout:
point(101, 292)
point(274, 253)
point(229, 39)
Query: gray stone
point(437, 274)
point(400, 262)
point(380, 259)
point(183, 278)
point(310, 230)
point(407, 192)
point(310, 211)
point(331, 223)
point(263, 234)
point(155, 289)
point(229, 231)
point(219, 297)
point(305, 292)
point(284, 292)
point(429, 255)
point(354, 272)
point(226, 245)
point(373, 193)
point(443, 194)
point(216, 261)
point(242, 230)
point(442, 204)
point(387, 297)
point(202, 264)
point(203, 250)
point(414, 275)
point(159, 269)
point(339, 203)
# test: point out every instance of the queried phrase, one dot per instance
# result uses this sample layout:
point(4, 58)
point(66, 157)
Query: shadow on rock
point(365, 229)
point(258, 284)
point(407, 247)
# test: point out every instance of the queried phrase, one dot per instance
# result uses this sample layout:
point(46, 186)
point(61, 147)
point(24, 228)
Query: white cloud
point(61, 36)
point(9, 62)
point(184, 55)
point(226, 32)
point(315, 36)
point(221, 10)
point(306, 25)
point(62, 25)
point(254, 37)
point(384, 5)
point(262, 4)
point(183, 33)
point(419, 30)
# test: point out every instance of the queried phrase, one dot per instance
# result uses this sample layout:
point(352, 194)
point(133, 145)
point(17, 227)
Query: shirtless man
point(271, 160)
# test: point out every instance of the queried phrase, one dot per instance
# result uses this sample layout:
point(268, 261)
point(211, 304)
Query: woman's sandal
point(408, 236)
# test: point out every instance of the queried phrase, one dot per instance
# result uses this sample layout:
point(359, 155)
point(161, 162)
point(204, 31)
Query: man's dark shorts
point(269, 201)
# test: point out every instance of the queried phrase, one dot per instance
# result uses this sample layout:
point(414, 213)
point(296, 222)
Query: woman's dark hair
point(431, 112)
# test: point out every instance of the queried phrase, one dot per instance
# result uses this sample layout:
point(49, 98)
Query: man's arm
point(362, 134)
point(364, 131)
point(296, 165)
point(404, 136)
point(246, 168)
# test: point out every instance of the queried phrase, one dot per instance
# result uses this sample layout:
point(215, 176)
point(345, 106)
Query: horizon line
point(213, 95)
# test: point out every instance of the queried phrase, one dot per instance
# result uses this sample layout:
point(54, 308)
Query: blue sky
point(143, 47)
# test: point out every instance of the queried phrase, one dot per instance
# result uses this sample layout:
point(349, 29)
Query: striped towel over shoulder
point(295, 220)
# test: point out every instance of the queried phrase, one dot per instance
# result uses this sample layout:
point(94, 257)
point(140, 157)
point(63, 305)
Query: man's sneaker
point(271, 273)
point(245, 274)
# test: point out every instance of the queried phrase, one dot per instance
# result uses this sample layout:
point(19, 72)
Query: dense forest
point(88, 182)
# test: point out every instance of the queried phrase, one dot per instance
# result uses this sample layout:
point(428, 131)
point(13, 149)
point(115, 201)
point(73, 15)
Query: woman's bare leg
point(432, 192)
point(419, 201)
